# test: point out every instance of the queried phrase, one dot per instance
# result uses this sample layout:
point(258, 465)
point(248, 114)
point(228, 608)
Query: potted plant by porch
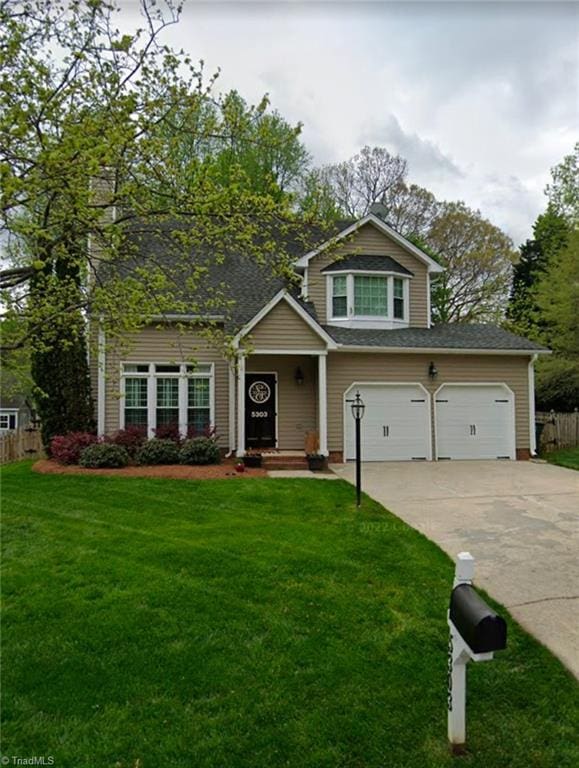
point(252, 460)
point(316, 462)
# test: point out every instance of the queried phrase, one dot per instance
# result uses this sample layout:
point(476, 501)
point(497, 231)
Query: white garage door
point(474, 422)
point(396, 423)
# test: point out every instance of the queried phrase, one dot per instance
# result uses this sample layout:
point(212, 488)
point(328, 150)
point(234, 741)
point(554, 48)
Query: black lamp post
point(358, 409)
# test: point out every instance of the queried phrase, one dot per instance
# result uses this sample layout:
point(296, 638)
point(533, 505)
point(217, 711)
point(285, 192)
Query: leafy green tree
point(563, 192)
point(241, 143)
point(550, 235)
point(478, 259)
point(558, 302)
point(90, 150)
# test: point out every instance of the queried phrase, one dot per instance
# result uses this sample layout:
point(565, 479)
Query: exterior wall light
point(432, 371)
point(299, 376)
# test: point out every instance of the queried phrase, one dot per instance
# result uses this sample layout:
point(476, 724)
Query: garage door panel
point(474, 422)
point(396, 423)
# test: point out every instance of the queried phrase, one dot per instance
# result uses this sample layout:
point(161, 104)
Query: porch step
point(280, 461)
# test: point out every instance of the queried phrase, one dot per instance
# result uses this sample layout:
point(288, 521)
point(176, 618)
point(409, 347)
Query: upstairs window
point(357, 299)
point(370, 296)
point(398, 298)
point(340, 296)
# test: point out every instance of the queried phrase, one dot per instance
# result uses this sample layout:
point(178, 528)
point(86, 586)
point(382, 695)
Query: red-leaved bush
point(208, 431)
point(130, 438)
point(168, 432)
point(66, 449)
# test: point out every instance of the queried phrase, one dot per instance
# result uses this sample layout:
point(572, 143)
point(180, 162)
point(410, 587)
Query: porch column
point(322, 405)
point(231, 414)
point(241, 404)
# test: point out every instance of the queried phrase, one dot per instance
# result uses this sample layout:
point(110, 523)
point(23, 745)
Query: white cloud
point(481, 98)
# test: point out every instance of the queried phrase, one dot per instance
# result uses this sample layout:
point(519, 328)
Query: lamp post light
point(358, 409)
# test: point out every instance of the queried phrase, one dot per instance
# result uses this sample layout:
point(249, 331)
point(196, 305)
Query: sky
point(481, 98)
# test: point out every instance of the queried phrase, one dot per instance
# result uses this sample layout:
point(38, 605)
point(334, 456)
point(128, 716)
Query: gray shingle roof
point(451, 336)
point(235, 284)
point(365, 261)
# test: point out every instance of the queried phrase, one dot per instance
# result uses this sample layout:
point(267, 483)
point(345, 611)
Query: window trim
point(7, 413)
point(352, 320)
point(183, 375)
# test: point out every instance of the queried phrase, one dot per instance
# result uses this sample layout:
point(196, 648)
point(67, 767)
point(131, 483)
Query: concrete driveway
point(520, 520)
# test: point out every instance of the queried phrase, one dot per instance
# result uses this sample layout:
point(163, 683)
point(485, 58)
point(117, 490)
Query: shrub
point(66, 449)
point(207, 431)
point(104, 455)
point(158, 451)
point(199, 450)
point(131, 438)
point(169, 432)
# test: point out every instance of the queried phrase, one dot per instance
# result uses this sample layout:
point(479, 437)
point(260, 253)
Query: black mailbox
point(478, 624)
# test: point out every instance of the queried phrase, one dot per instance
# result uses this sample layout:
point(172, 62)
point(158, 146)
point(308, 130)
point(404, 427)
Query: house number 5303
point(258, 414)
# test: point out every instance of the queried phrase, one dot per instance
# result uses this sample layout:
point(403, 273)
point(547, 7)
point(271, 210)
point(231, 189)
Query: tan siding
point(368, 240)
point(296, 403)
point(283, 328)
point(345, 368)
point(167, 345)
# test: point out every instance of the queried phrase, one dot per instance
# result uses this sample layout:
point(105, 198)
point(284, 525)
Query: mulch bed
point(223, 471)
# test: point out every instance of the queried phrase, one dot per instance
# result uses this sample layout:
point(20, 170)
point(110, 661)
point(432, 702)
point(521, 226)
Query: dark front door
point(260, 404)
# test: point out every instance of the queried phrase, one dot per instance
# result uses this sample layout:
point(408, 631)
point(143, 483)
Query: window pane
point(135, 417)
point(167, 368)
point(198, 420)
point(198, 393)
point(398, 299)
point(339, 306)
point(340, 285)
point(167, 417)
point(135, 368)
point(135, 393)
point(168, 393)
point(3, 422)
point(199, 368)
point(370, 296)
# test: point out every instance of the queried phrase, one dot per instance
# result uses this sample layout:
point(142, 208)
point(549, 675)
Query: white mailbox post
point(475, 633)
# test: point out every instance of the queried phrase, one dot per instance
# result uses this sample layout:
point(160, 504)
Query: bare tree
point(371, 176)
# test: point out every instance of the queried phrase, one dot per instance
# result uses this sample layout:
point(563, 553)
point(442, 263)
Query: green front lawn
point(256, 623)
point(569, 457)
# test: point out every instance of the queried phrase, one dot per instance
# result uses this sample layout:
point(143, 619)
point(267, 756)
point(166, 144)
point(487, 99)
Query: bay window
point(357, 299)
point(157, 395)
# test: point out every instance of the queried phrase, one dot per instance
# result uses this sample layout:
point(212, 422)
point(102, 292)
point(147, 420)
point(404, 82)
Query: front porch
point(281, 404)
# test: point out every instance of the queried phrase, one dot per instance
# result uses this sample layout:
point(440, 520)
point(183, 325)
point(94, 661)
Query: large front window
point(368, 300)
point(157, 395)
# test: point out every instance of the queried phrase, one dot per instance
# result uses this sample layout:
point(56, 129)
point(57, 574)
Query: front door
point(260, 410)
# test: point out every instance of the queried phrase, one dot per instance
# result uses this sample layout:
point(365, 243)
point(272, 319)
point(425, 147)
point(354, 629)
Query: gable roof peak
point(371, 218)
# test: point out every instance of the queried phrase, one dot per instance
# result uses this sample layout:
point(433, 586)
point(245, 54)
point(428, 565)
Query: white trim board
point(441, 351)
point(381, 226)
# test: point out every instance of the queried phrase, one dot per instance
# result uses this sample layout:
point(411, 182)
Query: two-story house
point(361, 322)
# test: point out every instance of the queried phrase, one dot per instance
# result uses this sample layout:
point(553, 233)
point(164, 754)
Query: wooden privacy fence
point(20, 444)
point(559, 430)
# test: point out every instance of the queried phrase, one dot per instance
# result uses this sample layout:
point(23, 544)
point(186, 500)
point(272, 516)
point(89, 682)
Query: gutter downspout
point(532, 433)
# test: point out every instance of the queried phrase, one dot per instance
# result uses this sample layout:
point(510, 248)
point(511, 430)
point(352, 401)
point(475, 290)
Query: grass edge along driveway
point(567, 457)
point(260, 623)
